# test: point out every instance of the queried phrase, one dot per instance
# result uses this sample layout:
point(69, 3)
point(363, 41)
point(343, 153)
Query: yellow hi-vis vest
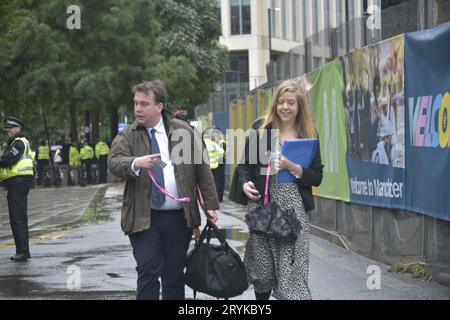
point(86, 153)
point(214, 152)
point(24, 167)
point(101, 149)
point(74, 157)
point(222, 143)
point(43, 153)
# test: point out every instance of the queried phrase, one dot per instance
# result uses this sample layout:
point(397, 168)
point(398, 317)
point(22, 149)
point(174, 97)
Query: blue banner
point(427, 96)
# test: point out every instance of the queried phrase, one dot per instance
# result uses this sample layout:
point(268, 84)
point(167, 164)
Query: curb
point(333, 237)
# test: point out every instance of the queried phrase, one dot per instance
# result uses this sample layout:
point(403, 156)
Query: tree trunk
point(87, 125)
point(73, 121)
point(95, 119)
point(114, 117)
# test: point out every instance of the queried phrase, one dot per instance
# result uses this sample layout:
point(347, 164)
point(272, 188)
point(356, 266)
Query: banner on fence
point(427, 95)
point(325, 86)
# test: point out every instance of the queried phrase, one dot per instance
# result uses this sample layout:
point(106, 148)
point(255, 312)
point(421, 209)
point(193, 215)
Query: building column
point(257, 59)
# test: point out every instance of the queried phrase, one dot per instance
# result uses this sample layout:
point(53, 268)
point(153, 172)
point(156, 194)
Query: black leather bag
point(216, 270)
point(271, 220)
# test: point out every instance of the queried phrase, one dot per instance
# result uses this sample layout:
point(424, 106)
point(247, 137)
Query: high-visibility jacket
point(101, 149)
point(43, 153)
point(86, 152)
point(223, 144)
point(74, 157)
point(24, 167)
point(214, 153)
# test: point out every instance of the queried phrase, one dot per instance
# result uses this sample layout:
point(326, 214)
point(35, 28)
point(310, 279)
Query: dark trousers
point(42, 167)
point(88, 167)
point(103, 169)
point(219, 180)
point(18, 217)
point(161, 252)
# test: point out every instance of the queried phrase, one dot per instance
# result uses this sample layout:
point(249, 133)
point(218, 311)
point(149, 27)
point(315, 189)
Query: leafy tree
point(46, 67)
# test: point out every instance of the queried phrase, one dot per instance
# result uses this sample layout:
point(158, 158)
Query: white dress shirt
point(168, 171)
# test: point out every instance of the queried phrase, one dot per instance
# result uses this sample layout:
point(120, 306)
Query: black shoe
point(18, 257)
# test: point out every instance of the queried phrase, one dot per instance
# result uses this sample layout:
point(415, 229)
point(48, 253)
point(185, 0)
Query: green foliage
point(399, 268)
point(417, 269)
point(46, 67)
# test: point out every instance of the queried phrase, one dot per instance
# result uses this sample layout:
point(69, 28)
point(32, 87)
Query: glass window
point(238, 70)
point(304, 19)
point(272, 21)
point(317, 62)
point(297, 65)
point(237, 76)
point(240, 17)
point(338, 12)
point(294, 20)
point(351, 25)
point(246, 17)
point(327, 18)
point(391, 3)
point(235, 17)
point(339, 23)
point(283, 18)
point(315, 22)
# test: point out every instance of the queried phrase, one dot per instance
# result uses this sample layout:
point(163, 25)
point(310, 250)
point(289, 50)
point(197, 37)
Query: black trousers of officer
point(103, 169)
point(219, 180)
point(161, 252)
point(88, 167)
point(42, 166)
point(18, 216)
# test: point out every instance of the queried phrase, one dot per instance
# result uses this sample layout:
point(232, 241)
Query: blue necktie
point(158, 198)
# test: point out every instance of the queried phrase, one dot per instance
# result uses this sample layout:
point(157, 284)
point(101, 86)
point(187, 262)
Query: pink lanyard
point(266, 192)
point(184, 199)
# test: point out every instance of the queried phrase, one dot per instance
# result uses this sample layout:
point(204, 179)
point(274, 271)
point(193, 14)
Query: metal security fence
point(329, 43)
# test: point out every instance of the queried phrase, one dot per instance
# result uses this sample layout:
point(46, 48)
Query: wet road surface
point(92, 259)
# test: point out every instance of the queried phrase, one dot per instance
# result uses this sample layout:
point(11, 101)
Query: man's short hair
point(156, 86)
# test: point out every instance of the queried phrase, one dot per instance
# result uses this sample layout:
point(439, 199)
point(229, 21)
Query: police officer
point(87, 154)
point(16, 172)
point(74, 163)
point(216, 154)
point(220, 186)
point(101, 153)
point(43, 160)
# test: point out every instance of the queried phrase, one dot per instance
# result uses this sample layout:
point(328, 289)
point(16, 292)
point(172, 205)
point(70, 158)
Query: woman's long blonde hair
point(304, 122)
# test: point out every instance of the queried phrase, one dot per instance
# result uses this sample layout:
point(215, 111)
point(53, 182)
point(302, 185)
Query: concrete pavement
point(51, 209)
point(93, 259)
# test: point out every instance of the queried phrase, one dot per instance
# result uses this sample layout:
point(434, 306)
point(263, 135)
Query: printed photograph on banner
point(374, 103)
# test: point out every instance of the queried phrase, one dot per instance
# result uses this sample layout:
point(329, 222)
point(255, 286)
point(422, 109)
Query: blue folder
point(299, 151)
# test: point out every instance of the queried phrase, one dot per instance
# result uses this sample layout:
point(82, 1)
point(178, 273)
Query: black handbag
point(271, 220)
point(236, 194)
point(216, 270)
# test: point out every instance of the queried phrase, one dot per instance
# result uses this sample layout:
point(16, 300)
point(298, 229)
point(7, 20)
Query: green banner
point(325, 96)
